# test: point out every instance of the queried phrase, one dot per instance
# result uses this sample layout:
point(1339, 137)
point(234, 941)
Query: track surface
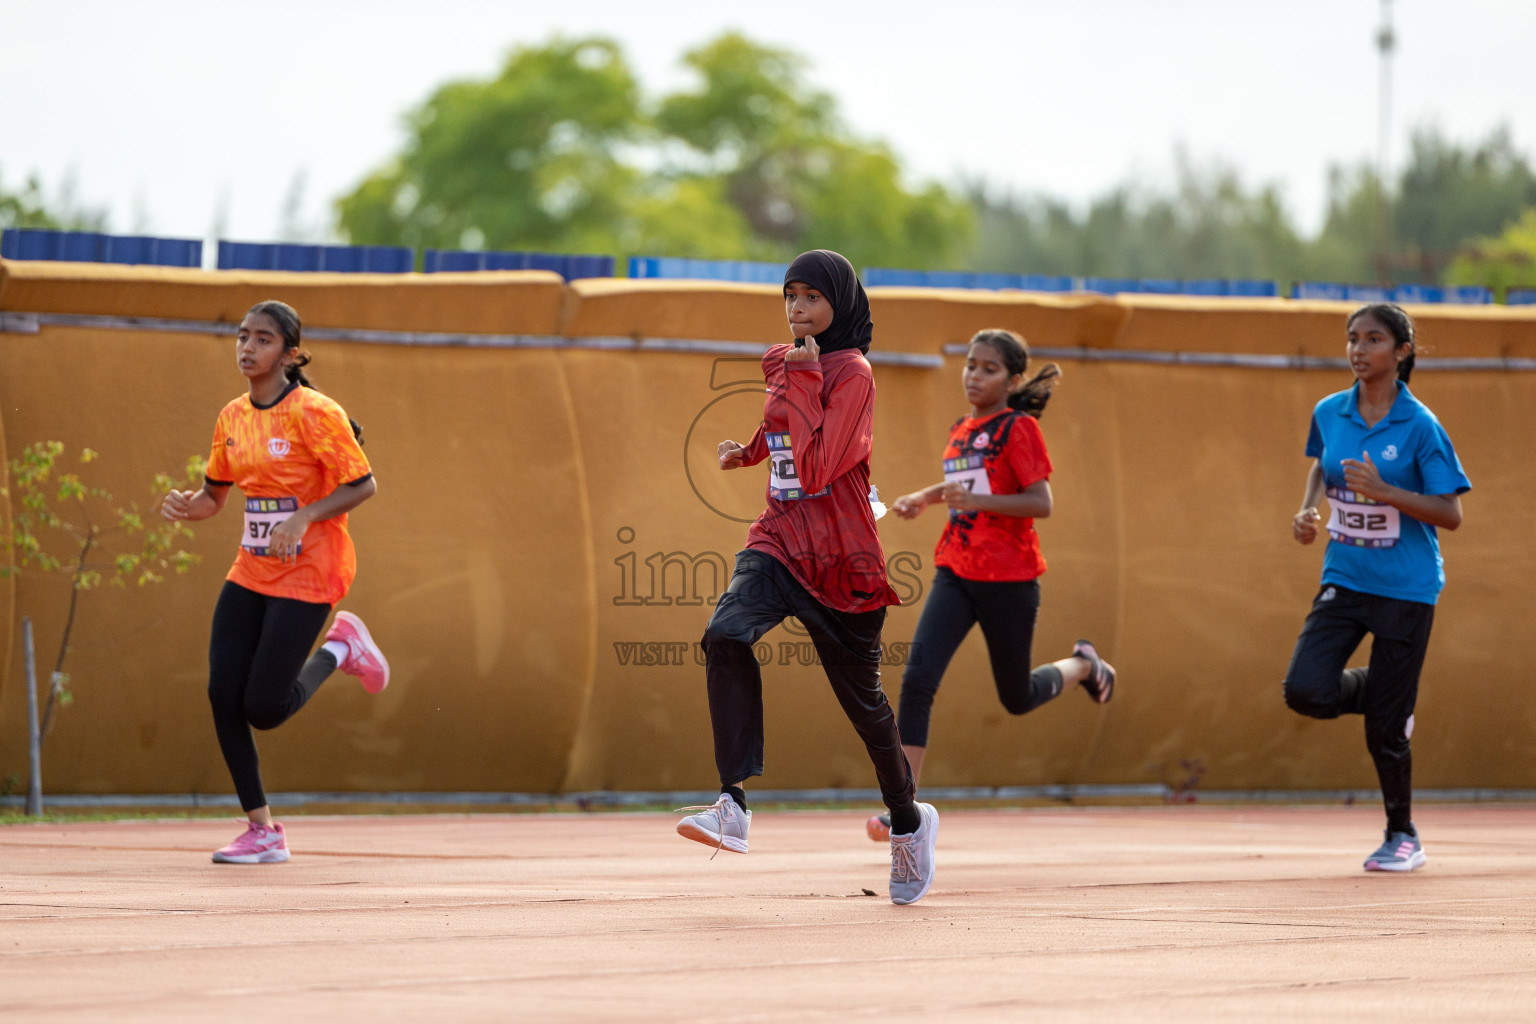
point(1145, 914)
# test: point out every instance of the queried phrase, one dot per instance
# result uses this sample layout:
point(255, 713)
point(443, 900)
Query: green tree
point(1446, 195)
point(30, 207)
point(1344, 250)
point(1508, 261)
point(1209, 225)
point(795, 174)
point(559, 152)
point(102, 540)
point(529, 159)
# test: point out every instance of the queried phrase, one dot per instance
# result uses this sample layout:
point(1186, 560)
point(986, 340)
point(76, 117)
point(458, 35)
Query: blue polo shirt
point(1412, 451)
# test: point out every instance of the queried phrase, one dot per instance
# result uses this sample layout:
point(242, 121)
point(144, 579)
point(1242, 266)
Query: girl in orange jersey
point(996, 484)
point(296, 457)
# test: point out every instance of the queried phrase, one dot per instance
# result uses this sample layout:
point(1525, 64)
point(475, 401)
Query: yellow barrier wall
point(549, 531)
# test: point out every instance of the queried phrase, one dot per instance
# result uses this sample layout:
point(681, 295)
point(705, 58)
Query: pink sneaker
point(364, 659)
point(256, 845)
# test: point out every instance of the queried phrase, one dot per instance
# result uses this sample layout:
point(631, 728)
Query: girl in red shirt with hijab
point(812, 554)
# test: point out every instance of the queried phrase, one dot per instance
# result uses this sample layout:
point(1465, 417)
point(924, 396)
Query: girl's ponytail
point(295, 370)
point(1031, 398)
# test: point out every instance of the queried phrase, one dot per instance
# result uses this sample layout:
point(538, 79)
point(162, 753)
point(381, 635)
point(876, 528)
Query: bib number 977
point(969, 471)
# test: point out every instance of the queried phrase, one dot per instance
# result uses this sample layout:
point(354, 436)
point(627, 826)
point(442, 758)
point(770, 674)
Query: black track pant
point(1318, 685)
point(762, 594)
point(258, 674)
point(1006, 611)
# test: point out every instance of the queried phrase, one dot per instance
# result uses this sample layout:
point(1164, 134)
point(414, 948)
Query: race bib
point(783, 478)
point(261, 517)
point(1360, 522)
point(970, 472)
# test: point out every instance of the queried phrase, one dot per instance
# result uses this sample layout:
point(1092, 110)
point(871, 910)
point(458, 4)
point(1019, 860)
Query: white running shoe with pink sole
point(364, 659)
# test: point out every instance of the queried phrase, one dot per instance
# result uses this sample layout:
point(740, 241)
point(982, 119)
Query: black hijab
point(833, 276)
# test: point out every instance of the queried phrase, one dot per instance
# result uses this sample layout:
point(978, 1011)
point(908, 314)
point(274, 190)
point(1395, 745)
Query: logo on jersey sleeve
point(277, 447)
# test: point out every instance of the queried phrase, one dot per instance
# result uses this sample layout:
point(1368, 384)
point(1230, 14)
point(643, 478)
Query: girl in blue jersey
point(1391, 478)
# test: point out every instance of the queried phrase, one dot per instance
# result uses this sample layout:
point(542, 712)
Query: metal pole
point(1386, 41)
point(34, 737)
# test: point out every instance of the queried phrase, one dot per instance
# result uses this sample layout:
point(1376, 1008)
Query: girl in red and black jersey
point(813, 554)
point(996, 484)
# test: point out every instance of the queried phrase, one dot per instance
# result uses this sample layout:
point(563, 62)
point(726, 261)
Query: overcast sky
point(177, 115)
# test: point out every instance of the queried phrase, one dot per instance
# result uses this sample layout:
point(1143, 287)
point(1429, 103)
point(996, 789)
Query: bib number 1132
point(1360, 522)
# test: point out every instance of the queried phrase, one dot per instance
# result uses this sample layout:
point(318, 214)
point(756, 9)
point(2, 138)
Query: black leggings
point(1318, 685)
point(258, 674)
point(762, 593)
point(1006, 611)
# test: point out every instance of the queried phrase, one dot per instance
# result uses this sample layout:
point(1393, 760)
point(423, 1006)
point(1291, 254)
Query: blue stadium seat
point(1045, 283)
point(247, 256)
point(344, 259)
point(570, 267)
point(1111, 285)
point(94, 247)
point(875, 277)
point(127, 249)
point(1418, 293)
point(367, 259)
point(81, 246)
point(578, 267)
point(1319, 290)
point(744, 271)
point(995, 282)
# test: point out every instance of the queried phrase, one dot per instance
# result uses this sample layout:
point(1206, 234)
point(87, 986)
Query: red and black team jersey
point(818, 432)
point(999, 454)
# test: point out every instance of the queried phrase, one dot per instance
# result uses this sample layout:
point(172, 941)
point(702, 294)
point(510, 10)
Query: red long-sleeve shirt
point(826, 536)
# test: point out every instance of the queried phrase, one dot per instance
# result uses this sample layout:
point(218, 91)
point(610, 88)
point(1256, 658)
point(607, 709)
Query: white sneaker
point(722, 824)
point(912, 859)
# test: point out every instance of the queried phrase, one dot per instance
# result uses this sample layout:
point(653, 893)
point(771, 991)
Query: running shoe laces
point(713, 809)
point(903, 861)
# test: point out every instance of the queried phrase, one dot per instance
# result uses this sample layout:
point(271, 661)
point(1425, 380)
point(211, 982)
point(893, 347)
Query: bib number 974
point(262, 516)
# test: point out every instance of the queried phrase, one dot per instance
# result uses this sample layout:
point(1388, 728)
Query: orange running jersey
point(284, 456)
